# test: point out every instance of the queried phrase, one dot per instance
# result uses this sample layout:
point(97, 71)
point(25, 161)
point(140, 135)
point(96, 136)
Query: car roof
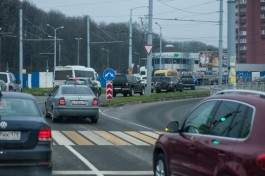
point(17, 95)
point(255, 98)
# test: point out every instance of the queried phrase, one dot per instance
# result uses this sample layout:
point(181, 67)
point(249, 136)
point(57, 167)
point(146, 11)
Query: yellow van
point(167, 72)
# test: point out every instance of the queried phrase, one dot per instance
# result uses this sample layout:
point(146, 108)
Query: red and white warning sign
point(109, 90)
point(148, 48)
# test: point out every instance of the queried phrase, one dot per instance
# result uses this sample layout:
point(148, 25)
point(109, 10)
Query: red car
point(224, 135)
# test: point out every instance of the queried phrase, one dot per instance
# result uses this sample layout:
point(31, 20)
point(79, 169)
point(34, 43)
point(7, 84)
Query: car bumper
point(76, 112)
point(121, 90)
point(41, 155)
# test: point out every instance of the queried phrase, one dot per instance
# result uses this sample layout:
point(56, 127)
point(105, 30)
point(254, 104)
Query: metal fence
point(258, 86)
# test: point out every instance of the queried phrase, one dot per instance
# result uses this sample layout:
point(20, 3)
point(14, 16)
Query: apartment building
point(250, 31)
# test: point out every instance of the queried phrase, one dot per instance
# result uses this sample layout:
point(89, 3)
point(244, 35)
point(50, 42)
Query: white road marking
point(149, 133)
point(85, 161)
point(61, 139)
point(126, 121)
point(95, 138)
point(128, 138)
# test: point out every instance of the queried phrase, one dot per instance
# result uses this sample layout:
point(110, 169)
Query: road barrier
point(258, 86)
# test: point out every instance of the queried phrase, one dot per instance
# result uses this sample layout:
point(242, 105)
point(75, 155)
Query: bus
point(62, 73)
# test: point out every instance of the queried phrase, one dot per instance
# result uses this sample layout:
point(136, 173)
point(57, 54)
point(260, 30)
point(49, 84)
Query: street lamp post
point(160, 47)
point(78, 49)
point(103, 49)
point(130, 36)
point(55, 29)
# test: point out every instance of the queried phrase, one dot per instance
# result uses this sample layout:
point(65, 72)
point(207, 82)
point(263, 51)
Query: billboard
point(210, 59)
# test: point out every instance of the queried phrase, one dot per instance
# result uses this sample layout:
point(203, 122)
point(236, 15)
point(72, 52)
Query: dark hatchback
point(168, 84)
point(222, 136)
point(25, 136)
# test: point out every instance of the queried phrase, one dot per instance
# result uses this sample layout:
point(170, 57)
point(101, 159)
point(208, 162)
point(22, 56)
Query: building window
point(262, 32)
point(243, 10)
point(262, 7)
point(243, 48)
point(262, 0)
point(243, 32)
point(243, 40)
point(244, 1)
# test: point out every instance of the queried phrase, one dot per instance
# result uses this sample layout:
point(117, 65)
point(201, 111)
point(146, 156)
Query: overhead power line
point(185, 10)
point(176, 19)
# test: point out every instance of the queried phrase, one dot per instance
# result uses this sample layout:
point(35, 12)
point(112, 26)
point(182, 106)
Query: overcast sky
point(164, 11)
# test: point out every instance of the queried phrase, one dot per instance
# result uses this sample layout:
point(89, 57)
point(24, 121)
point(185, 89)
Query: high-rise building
point(250, 31)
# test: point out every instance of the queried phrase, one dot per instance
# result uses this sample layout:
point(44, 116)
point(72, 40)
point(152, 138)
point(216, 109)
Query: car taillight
point(62, 101)
point(10, 87)
point(260, 161)
point(126, 84)
point(95, 102)
point(45, 134)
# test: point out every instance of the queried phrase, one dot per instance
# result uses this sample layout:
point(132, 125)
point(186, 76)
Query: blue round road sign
point(109, 74)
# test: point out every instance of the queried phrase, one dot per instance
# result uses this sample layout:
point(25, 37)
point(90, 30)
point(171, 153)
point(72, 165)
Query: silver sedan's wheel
point(160, 167)
point(53, 117)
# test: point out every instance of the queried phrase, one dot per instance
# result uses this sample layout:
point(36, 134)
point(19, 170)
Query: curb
point(155, 100)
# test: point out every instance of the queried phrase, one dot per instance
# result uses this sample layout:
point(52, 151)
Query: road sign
point(148, 48)
point(109, 90)
point(109, 74)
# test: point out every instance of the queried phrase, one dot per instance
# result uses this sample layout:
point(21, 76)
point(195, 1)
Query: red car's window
point(199, 120)
point(232, 119)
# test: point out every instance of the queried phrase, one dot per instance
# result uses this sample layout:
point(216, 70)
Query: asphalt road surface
point(121, 143)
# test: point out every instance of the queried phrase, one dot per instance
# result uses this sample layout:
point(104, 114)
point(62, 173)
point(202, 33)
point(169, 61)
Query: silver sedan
point(72, 101)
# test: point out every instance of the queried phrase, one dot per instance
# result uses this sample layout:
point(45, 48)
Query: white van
point(62, 73)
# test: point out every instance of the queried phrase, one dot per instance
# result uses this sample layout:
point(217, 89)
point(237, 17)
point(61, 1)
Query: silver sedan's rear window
point(77, 90)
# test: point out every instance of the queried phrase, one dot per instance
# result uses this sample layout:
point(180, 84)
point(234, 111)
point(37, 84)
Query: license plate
point(78, 102)
point(10, 135)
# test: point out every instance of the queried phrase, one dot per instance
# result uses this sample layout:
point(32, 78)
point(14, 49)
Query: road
point(121, 143)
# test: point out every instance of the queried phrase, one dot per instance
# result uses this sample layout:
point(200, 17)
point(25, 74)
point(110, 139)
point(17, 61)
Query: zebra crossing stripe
point(128, 138)
point(61, 139)
point(113, 139)
point(77, 138)
point(95, 138)
point(151, 134)
point(142, 137)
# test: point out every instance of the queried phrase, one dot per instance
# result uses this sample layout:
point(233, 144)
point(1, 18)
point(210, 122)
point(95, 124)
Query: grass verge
point(36, 91)
point(155, 97)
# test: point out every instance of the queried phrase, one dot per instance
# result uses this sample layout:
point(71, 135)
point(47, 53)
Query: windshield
point(82, 73)
point(63, 74)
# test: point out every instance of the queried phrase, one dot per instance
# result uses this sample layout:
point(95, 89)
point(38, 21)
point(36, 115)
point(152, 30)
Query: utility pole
point(60, 61)
point(78, 49)
point(160, 46)
point(149, 42)
point(231, 44)
point(220, 54)
point(130, 38)
point(88, 42)
point(21, 47)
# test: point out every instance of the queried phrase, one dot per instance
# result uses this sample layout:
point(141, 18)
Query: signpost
point(109, 75)
point(109, 90)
